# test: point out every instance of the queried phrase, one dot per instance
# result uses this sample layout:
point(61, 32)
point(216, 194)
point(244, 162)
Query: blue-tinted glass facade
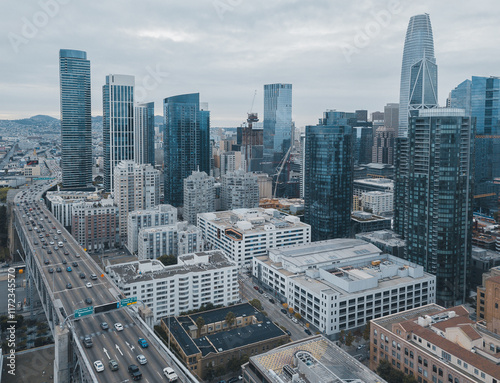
point(277, 117)
point(76, 123)
point(439, 199)
point(118, 124)
point(187, 143)
point(481, 98)
point(328, 175)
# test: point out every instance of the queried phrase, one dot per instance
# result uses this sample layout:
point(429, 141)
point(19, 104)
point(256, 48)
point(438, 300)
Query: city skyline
point(241, 53)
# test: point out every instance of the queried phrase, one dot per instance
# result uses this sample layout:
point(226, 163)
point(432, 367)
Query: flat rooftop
point(148, 270)
point(323, 251)
point(253, 220)
point(262, 329)
point(387, 237)
point(322, 361)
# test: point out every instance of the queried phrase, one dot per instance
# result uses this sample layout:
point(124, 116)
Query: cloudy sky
point(337, 54)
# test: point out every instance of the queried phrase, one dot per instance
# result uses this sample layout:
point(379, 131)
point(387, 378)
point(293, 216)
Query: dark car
point(261, 291)
point(49, 251)
point(271, 300)
point(284, 311)
point(58, 269)
point(64, 261)
point(69, 286)
point(46, 261)
point(88, 301)
point(134, 372)
point(307, 331)
point(87, 341)
point(288, 333)
point(66, 252)
point(256, 287)
point(82, 275)
point(232, 380)
point(75, 264)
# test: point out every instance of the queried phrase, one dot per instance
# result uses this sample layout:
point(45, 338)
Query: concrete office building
point(247, 233)
point(341, 284)
point(365, 222)
point(197, 279)
point(199, 196)
point(378, 202)
point(386, 240)
point(95, 224)
point(135, 187)
point(61, 203)
point(239, 190)
point(176, 239)
point(435, 344)
point(157, 216)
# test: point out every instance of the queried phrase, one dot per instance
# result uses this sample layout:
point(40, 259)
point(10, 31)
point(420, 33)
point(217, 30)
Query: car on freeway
point(46, 261)
point(118, 326)
point(75, 264)
point(51, 270)
point(87, 341)
point(170, 374)
point(64, 262)
point(51, 242)
point(69, 286)
point(93, 276)
point(134, 372)
point(82, 275)
point(49, 251)
point(99, 367)
point(89, 285)
point(141, 359)
point(58, 269)
point(66, 252)
point(88, 301)
point(104, 326)
point(69, 269)
point(113, 365)
point(143, 343)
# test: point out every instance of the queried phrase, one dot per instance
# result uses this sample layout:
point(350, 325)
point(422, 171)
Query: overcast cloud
point(337, 54)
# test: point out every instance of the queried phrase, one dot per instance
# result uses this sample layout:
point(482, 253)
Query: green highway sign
point(43, 178)
point(83, 312)
point(128, 301)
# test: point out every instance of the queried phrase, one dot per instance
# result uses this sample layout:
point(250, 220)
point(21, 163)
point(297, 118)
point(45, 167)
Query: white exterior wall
point(252, 244)
point(378, 202)
point(159, 216)
point(183, 291)
point(176, 240)
point(332, 311)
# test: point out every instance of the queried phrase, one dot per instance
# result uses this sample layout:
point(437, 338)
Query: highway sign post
point(128, 301)
point(83, 312)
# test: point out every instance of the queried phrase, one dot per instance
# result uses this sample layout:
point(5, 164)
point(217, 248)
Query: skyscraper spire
point(418, 72)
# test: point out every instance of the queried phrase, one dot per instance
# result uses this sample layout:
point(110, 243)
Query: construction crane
point(280, 169)
point(253, 100)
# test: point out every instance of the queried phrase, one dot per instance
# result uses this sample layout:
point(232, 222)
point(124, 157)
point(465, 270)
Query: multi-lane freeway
point(76, 280)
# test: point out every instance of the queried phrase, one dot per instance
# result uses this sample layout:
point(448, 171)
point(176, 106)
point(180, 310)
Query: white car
point(89, 285)
point(141, 359)
point(118, 327)
point(99, 367)
point(51, 242)
point(170, 374)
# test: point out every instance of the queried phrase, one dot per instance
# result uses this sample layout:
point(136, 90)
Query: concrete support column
point(61, 357)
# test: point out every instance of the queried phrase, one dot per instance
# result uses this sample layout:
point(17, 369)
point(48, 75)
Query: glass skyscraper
point(144, 130)
point(76, 122)
point(277, 119)
point(481, 100)
point(118, 124)
point(418, 72)
point(418, 91)
point(438, 226)
point(187, 143)
point(328, 176)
